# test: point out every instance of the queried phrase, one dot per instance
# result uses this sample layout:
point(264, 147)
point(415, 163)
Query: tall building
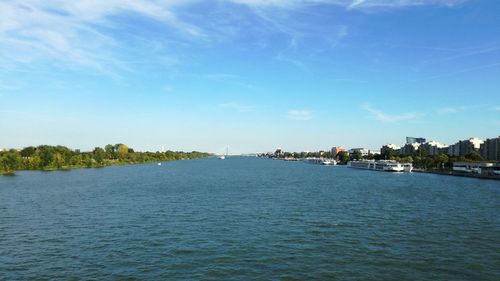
point(454, 149)
point(392, 147)
point(337, 149)
point(434, 147)
point(490, 149)
point(409, 148)
point(410, 140)
point(465, 147)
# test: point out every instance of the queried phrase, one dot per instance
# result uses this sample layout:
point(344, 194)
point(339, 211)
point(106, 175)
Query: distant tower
point(410, 140)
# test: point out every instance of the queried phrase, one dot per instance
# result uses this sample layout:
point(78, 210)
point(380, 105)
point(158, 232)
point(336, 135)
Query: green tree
point(45, 153)
point(406, 159)
point(31, 163)
point(442, 160)
point(28, 151)
point(387, 154)
point(10, 161)
point(421, 151)
point(76, 160)
point(110, 151)
point(58, 160)
point(473, 156)
point(356, 154)
point(343, 157)
point(122, 150)
point(88, 161)
point(99, 155)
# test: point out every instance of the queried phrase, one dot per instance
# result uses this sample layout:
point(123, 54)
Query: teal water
point(247, 219)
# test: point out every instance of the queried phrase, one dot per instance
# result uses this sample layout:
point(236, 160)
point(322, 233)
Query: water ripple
point(247, 219)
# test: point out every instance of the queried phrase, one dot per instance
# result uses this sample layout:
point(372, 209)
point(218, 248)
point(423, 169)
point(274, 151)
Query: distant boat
point(321, 161)
point(328, 162)
point(159, 164)
point(222, 157)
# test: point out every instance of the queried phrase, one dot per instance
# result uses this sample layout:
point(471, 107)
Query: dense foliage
point(46, 157)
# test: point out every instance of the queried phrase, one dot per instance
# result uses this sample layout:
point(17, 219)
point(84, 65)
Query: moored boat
point(321, 161)
point(381, 165)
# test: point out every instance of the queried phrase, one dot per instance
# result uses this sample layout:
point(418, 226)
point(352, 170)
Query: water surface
point(247, 219)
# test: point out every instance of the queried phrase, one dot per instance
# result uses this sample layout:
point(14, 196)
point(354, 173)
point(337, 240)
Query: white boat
point(408, 167)
point(222, 157)
point(328, 162)
point(321, 161)
point(381, 165)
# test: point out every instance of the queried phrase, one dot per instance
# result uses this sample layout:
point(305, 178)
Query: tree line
point(47, 157)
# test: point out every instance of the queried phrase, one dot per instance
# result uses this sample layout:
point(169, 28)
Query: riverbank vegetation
point(419, 158)
point(46, 157)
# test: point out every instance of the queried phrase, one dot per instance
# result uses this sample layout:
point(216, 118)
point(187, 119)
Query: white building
point(433, 147)
point(363, 151)
point(409, 148)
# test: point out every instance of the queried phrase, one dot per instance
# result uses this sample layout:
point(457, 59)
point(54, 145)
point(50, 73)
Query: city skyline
point(251, 75)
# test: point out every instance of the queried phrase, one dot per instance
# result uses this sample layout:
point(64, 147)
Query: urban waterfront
point(247, 218)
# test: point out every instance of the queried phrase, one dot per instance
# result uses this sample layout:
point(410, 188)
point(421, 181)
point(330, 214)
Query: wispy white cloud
point(225, 78)
point(71, 32)
point(296, 114)
point(495, 108)
point(457, 72)
point(348, 4)
point(449, 109)
point(374, 5)
point(355, 3)
point(295, 62)
point(75, 34)
point(237, 106)
point(390, 118)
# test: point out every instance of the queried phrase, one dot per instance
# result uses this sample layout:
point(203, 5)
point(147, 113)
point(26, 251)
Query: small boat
point(159, 164)
point(222, 157)
point(328, 162)
point(321, 161)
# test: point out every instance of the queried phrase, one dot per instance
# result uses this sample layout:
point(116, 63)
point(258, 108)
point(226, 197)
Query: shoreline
point(457, 174)
point(69, 168)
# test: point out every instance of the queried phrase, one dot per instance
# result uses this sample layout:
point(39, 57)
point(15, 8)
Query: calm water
point(244, 219)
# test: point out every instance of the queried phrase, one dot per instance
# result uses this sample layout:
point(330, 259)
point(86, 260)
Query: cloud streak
point(347, 4)
point(237, 107)
point(76, 33)
point(302, 115)
point(390, 118)
point(72, 34)
point(451, 110)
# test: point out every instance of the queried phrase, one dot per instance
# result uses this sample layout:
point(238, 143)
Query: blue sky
point(254, 75)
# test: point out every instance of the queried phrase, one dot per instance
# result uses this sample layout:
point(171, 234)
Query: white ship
point(381, 165)
point(321, 161)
